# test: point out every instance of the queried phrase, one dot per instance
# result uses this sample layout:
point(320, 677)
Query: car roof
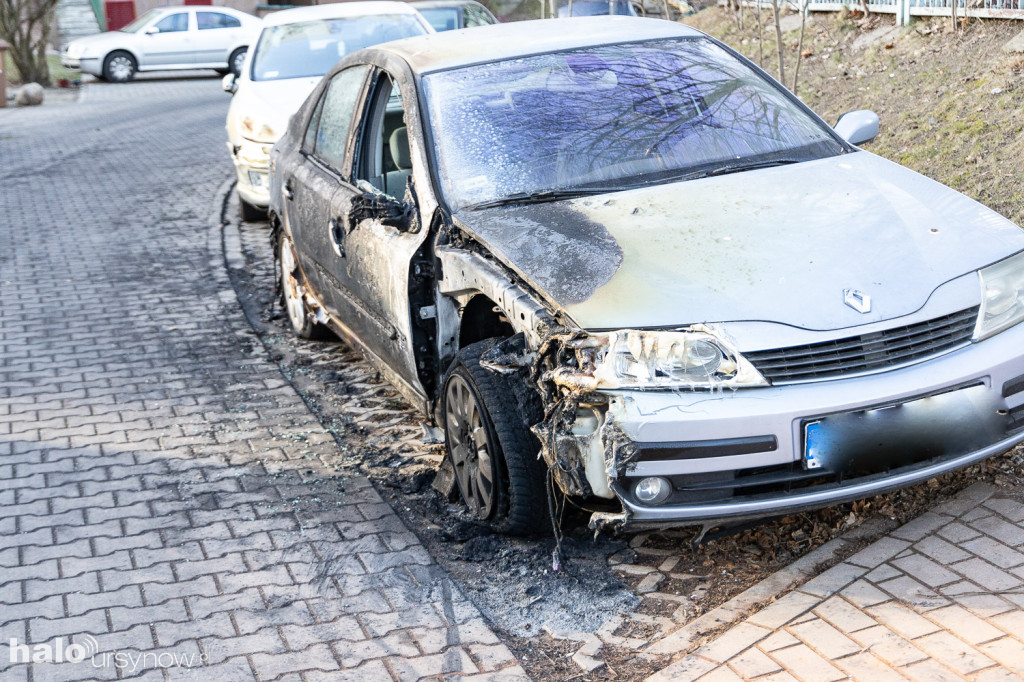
point(203, 8)
point(496, 42)
point(338, 10)
point(439, 4)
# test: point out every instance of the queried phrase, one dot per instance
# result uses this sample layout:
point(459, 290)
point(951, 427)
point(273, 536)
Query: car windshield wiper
point(731, 168)
point(546, 195)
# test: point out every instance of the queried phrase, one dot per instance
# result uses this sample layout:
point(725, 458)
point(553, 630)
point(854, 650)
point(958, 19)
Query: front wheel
point(492, 450)
point(236, 60)
point(119, 67)
point(292, 297)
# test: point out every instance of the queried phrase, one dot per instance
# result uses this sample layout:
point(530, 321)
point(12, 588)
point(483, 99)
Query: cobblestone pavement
point(165, 495)
point(940, 598)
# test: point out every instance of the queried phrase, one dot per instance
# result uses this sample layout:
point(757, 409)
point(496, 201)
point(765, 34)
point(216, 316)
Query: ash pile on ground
point(510, 579)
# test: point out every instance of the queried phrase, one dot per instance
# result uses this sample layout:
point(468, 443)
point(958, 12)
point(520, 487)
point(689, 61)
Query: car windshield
point(311, 48)
point(588, 8)
point(610, 117)
point(141, 21)
point(442, 18)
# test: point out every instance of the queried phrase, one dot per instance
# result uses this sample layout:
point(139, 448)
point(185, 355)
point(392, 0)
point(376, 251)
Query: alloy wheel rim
point(470, 451)
point(121, 68)
point(290, 285)
point(236, 65)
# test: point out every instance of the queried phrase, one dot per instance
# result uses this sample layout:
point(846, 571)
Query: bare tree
point(800, 44)
point(760, 36)
point(26, 25)
point(778, 41)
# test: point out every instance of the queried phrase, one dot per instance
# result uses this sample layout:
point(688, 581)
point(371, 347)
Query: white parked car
point(296, 48)
point(168, 38)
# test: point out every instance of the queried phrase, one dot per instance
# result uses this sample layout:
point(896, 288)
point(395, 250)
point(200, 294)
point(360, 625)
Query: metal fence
point(905, 9)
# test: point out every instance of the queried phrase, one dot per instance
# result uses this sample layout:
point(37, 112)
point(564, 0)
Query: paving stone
point(1000, 529)
point(806, 664)
point(953, 653)
point(395, 644)
point(969, 627)
point(734, 641)
point(862, 594)
point(888, 646)
point(924, 569)
point(825, 639)
point(987, 575)
point(994, 552)
point(784, 610)
point(78, 603)
point(247, 602)
point(923, 525)
point(912, 592)
point(843, 615)
point(453, 661)
point(1009, 652)
point(865, 666)
point(778, 640)
point(371, 670)
point(266, 641)
point(753, 663)
point(930, 671)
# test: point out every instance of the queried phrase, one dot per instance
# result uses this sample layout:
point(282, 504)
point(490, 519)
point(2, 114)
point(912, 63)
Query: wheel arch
point(482, 318)
point(129, 51)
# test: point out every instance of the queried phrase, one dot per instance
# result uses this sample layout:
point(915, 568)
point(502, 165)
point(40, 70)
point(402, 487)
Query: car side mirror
point(372, 204)
point(857, 127)
point(229, 83)
point(151, 30)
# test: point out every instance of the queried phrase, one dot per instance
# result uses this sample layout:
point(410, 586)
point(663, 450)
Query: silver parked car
point(626, 258)
point(167, 38)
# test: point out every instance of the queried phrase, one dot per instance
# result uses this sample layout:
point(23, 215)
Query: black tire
point(301, 322)
point(235, 61)
point(518, 502)
point(119, 67)
point(249, 213)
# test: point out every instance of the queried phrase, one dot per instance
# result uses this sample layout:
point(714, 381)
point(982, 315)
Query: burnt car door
point(381, 228)
point(309, 185)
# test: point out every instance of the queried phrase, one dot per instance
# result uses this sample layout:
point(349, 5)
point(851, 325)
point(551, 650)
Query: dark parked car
point(624, 258)
point(449, 15)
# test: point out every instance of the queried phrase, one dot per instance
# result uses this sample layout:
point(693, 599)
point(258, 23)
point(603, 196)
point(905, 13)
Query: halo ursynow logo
point(84, 647)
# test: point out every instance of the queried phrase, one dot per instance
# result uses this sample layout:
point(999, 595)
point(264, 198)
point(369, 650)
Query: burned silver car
point(622, 263)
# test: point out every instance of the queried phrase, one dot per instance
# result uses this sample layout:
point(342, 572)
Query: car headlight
point(1002, 296)
point(696, 358)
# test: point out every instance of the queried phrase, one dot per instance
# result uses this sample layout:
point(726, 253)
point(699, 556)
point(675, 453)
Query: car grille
point(867, 352)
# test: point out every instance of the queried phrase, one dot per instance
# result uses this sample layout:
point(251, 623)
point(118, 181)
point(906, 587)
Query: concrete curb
point(691, 635)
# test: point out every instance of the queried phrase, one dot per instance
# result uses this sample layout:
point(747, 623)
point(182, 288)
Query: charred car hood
point(777, 245)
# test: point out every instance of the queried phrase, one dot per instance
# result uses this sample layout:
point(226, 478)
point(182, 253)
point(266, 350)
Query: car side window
point(473, 16)
point(173, 23)
point(208, 20)
point(309, 139)
point(383, 157)
point(335, 119)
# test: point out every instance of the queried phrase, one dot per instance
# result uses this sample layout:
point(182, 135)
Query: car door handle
point(337, 236)
point(288, 192)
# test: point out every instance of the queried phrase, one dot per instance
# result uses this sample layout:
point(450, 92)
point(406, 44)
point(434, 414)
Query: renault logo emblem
point(857, 300)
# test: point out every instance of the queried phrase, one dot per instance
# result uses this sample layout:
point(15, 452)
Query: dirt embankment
point(950, 101)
